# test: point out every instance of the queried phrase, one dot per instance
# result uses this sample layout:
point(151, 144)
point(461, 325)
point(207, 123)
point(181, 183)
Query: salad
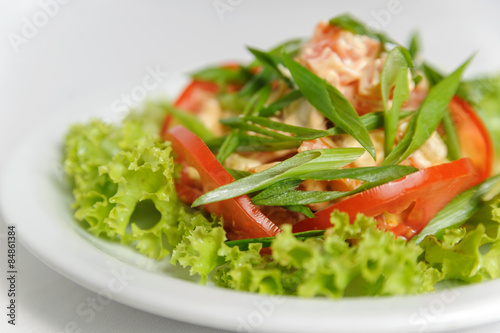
point(342, 165)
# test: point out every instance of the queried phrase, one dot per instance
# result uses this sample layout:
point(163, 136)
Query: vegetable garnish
point(394, 74)
point(329, 101)
point(283, 193)
point(466, 133)
point(190, 98)
point(460, 209)
point(241, 217)
point(411, 201)
point(336, 166)
point(427, 118)
point(347, 22)
point(271, 62)
point(281, 103)
point(474, 139)
point(243, 244)
point(273, 129)
point(297, 167)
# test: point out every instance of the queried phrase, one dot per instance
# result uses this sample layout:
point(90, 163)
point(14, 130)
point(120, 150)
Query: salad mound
point(337, 166)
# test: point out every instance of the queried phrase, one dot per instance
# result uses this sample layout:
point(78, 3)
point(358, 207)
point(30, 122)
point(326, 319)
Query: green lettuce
point(470, 253)
point(350, 260)
point(123, 184)
point(87, 148)
point(203, 249)
point(355, 259)
point(122, 176)
point(144, 172)
point(200, 244)
point(249, 271)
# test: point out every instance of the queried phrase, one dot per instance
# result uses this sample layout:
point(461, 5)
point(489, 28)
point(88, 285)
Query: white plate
point(36, 200)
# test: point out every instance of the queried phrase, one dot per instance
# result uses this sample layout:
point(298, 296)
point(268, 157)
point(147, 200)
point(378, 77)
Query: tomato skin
point(242, 219)
point(190, 97)
point(186, 99)
point(474, 138)
point(194, 95)
point(428, 190)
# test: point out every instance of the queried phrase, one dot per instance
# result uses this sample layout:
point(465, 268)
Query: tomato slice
point(474, 138)
point(190, 99)
point(242, 219)
point(418, 197)
point(191, 95)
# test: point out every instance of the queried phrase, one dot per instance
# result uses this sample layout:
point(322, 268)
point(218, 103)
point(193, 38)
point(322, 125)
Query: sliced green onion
point(284, 193)
point(229, 145)
point(232, 141)
point(190, 121)
point(459, 210)
point(451, 138)
point(252, 143)
point(256, 83)
point(272, 62)
point(281, 103)
point(394, 74)
point(414, 45)
point(301, 209)
point(428, 117)
point(347, 22)
point(329, 101)
point(266, 241)
point(293, 168)
point(223, 75)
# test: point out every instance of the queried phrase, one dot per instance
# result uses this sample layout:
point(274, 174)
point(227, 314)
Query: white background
point(102, 49)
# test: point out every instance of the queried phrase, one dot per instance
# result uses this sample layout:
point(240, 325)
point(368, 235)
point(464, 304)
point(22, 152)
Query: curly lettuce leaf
point(144, 172)
point(200, 245)
point(140, 123)
point(351, 260)
point(354, 259)
point(470, 253)
point(248, 270)
point(457, 256)
point(491, 262)
point(87, 148)
point(204, 251)
point(118, 170)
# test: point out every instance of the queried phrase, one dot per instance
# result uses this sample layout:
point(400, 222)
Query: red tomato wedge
point(194, 95)
point(190, 96)
point(242, 218)
point(474, 138)
point(418, 197)
point(191, 99)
